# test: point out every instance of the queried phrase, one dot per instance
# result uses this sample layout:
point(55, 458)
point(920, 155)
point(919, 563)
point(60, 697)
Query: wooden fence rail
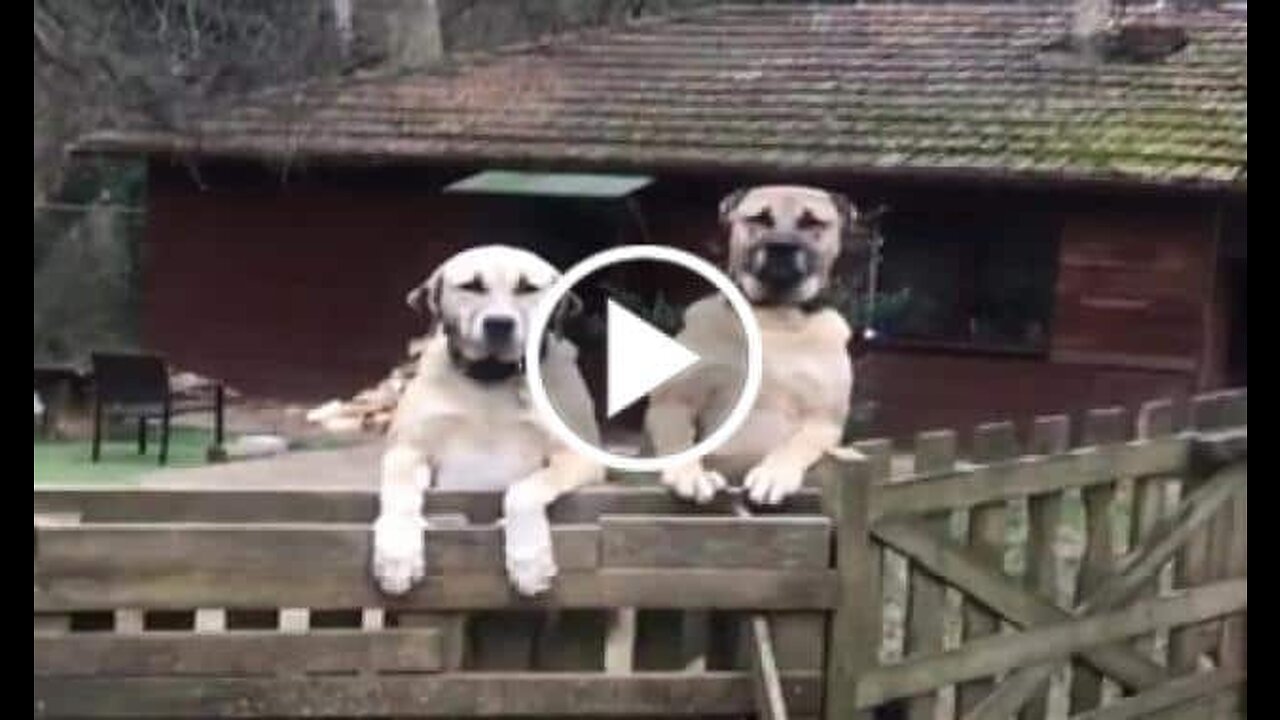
point(1024, 577)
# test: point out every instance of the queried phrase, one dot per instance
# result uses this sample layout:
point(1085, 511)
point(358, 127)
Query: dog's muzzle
point(487, 370)
point(498, 330)
point(780, 265)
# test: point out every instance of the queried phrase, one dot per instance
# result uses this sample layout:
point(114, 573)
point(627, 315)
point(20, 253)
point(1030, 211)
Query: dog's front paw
point(399, 556)
point(530, 557)
point(769, 483)
point(694, 482)
point(531, 570)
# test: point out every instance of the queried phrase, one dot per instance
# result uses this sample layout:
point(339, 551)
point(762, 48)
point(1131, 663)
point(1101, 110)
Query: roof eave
point(172, 146)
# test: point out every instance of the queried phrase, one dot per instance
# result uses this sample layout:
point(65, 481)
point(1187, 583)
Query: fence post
point(987, 534)
point(935, 452)
point(853, 634)
point(1195, 565)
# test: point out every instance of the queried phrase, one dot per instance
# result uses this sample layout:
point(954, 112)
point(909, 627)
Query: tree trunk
point(342, 22)
point(413, 34)
point(1089, 20)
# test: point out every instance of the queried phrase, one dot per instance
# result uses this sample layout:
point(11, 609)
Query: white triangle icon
point(640, 358)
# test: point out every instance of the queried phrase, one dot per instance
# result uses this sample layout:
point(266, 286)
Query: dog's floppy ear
point(729, 202)
point(570, 307)
point(425, 299)
point(845, 208)
point(851, 239)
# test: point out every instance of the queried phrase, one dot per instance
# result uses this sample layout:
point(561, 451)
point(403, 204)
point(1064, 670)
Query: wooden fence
point(1098, 574)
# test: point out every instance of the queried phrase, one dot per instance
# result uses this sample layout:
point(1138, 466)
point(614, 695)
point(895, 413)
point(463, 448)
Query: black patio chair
point(137, 385)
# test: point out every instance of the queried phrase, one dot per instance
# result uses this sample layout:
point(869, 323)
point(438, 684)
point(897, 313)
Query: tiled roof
point(849, 88)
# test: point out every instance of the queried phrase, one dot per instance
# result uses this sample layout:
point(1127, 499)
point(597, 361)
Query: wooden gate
point(1099, 573)
point(1135, 499)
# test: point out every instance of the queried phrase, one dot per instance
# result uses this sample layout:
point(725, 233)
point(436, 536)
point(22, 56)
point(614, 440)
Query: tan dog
point(783, 241)
point(465, 422)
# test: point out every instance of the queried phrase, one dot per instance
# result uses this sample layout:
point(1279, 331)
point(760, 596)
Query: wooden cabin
point(1063, 232)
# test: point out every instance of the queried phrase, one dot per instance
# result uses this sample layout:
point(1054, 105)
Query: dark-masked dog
point(783, 241)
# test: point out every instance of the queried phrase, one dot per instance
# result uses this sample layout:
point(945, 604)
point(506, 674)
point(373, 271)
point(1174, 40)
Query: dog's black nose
point(498, 329)
point(782, 252)
point(781, 264)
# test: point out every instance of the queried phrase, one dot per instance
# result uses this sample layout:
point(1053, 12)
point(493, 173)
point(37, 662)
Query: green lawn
point(68, 461)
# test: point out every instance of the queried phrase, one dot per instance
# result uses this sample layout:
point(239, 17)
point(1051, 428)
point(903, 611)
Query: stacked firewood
point(370, 410)
point(185, 382)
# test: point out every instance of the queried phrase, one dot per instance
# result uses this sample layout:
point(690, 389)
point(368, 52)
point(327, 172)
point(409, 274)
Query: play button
point(640, 357)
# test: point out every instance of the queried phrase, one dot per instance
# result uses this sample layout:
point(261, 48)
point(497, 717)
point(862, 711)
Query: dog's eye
point(475, 285)
point(808, 222)
point(524, 287)
point(763, 219)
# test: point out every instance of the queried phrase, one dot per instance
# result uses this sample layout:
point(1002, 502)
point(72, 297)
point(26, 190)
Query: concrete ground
point(320, 460)
point(345, 468)
point(353, 465)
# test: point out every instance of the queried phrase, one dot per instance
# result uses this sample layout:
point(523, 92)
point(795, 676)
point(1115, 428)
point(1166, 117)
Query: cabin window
point(968, 281)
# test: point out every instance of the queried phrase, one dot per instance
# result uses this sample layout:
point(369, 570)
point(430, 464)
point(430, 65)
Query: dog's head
point(784, 240)
point(484, 298)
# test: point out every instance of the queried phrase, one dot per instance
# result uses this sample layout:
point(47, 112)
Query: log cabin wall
point(295, 290)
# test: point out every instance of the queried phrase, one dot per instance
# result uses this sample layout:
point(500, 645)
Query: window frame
point(1052, 225)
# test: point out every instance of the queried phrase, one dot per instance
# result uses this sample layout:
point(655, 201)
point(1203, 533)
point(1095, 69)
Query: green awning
point(547, 184)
